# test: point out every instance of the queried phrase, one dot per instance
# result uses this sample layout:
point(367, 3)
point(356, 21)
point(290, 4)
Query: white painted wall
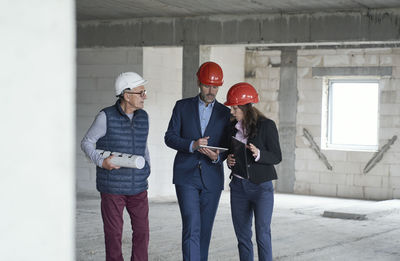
point(37, 102)
point(231, 58)
point(162, 67)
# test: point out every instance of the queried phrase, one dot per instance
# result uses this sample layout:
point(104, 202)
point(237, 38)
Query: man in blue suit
point(198, 172)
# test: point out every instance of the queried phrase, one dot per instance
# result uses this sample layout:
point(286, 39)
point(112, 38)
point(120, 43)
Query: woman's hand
point(230, 160)
point(254, 150)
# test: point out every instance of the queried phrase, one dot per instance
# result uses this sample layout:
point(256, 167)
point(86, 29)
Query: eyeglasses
point(141, 93)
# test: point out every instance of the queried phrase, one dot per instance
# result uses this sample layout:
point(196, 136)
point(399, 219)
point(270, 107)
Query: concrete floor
point(299, 232)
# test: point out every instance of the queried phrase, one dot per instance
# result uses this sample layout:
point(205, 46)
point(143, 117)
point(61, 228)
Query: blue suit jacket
point(183, 128)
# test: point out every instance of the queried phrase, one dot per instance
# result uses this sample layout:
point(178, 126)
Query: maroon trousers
point(112, 207)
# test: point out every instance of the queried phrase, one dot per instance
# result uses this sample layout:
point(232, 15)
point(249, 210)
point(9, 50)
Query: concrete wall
point(347, 178)
point(162, 67)
point(364, 25)
point(97, 69)
point(37, 102)
point(310, 176)
point(276, 74)
point(262, 70)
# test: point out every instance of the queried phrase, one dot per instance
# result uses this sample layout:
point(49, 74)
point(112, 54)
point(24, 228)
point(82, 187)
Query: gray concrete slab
point(365, 211)
point(323, 27)
point(126, 9)
point(299, 232)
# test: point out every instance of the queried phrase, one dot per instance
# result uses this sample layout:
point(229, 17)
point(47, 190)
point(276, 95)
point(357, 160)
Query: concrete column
point(287, 119)
point(37, 106)
point(190, 64)
point(205, 54)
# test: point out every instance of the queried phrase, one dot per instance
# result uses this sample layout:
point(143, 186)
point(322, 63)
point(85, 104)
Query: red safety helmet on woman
point(210, 73)
point(241, 94)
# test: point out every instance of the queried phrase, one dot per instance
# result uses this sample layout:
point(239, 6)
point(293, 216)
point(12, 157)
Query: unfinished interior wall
point(262, 70)
point(282, 31)
point(97, 69)
point(347, 178)
point(231, 58)
point(162, 67)
point(311, 175)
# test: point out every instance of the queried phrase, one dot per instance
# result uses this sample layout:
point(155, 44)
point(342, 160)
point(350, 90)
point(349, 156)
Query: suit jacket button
point(248, 166)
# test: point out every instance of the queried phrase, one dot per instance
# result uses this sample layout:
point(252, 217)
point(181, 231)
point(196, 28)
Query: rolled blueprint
point(123, 159)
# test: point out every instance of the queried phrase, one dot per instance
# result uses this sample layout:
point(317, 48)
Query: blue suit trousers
point(247, 199)
point(198, 207)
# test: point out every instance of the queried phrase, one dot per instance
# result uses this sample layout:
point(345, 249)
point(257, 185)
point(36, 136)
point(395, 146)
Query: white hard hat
point(128, 80)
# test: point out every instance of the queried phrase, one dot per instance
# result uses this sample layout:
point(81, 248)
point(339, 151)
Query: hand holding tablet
point(213, 148)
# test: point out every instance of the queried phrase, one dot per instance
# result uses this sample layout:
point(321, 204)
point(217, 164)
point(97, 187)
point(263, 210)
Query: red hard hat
point(241, 94)
point(210, 73)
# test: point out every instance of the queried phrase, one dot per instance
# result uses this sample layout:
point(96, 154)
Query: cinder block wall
point(97, 69)
point(347, 178)
point(162, 67)
point(262, 70)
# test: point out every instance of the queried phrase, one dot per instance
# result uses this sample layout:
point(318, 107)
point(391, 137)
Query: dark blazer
point(267, 141)
point(184, 127)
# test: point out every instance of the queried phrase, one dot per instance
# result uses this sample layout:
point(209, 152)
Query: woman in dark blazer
point(252, 192)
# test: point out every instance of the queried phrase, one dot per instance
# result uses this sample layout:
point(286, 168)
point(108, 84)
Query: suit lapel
point(196, 113)
point(214, 115)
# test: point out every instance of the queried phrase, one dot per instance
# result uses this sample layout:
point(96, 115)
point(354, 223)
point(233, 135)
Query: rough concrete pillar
point(205, 54)
point(287, 119)
point(190, 64)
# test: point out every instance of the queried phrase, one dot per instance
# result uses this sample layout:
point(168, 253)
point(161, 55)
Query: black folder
point(238, 149)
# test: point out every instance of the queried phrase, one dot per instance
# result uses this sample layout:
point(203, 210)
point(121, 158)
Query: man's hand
point(108, 165)
point(213, 155)
point(231, 160)
point(201, 141)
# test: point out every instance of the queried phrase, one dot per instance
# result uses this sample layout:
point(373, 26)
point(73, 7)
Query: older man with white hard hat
point(123, 128)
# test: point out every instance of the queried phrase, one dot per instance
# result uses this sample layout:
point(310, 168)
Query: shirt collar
point(239, 127)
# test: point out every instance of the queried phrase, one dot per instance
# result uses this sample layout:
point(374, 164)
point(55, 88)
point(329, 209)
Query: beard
point(208, 97)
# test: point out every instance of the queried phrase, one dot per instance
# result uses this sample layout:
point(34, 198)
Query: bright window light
point(353, 107)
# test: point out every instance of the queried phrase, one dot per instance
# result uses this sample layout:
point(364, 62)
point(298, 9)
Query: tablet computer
point(213, 148)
